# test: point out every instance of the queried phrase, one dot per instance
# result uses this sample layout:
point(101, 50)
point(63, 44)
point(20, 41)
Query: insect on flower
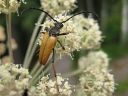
point(50, 37)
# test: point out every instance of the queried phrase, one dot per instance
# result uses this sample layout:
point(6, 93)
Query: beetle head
point(58, 25)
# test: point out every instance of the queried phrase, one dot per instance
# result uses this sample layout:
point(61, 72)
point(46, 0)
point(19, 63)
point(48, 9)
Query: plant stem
point(36, 74)
point(9, 35)
point(35, 68)
point(40, 75)
point(73, 73)
point(32, 41)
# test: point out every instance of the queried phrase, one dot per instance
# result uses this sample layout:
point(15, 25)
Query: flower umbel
point(47, 87)
point(55, 7)
point(96, 79)
point(7, 6)
point(13, 80)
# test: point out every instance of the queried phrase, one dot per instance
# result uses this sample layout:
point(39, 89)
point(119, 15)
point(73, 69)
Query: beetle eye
point(61, 25)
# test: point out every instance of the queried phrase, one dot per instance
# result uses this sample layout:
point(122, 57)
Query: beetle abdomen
point(47, 45)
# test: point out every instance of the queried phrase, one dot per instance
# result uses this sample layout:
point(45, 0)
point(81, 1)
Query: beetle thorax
point(56, 29)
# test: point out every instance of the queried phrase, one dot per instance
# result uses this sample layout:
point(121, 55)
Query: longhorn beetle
point(50, 37)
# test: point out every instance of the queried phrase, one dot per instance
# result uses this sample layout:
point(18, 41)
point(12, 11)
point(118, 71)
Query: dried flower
point(2, 34)
point(84, 33)
point(14, 44)
point(96, 79)
point(7, 6)
point(55, 7)
point(2, 48)
point(47, 87)
point(5, 59)
point(13, 80)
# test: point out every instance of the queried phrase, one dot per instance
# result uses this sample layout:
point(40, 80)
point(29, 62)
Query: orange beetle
point(49, 41)
point(50, 37)
point(46, 47)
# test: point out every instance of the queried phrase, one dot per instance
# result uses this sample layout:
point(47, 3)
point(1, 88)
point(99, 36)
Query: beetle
point(50, 37)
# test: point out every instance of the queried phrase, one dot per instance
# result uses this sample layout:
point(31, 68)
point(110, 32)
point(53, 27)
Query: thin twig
point(31, 43)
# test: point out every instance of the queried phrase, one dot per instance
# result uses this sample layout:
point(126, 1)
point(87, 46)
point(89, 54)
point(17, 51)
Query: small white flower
point(59, 80)
point(53, 91)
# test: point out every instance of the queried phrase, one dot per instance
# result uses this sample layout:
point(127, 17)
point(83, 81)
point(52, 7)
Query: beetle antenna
point(83, 12)
point(39, 10)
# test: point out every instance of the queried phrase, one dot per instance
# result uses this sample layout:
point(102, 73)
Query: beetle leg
point(53, 56)
point(54, 70)
point(43, 32)
point(53, 61)
point(63, 34)
point(61, 44)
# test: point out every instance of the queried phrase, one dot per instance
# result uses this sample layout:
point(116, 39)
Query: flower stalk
point(9, 35)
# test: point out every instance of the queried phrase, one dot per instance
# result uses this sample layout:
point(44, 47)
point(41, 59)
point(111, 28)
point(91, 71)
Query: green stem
point(35, 68)
point(73, 73)
point(41, 75)
point(9, 35)
point(36, 74)
point(32, 42)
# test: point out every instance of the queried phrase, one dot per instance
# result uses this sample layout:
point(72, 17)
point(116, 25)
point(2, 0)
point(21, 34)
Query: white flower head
point(48, 87)
point(94, 58)
point(83, 32)
point(95, 79)
point(7, 6)
point(13, 80)
point(55, 7)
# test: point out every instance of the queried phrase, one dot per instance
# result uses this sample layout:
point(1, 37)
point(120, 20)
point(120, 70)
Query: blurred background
point(113, 21)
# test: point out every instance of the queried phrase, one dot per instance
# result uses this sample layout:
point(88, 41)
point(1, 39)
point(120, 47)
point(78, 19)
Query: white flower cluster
point(96, 79)
point(57, 6)
point(47, 87)
point(7, 6)
point(13, 80)
point(84, 33)
point(94, 58)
